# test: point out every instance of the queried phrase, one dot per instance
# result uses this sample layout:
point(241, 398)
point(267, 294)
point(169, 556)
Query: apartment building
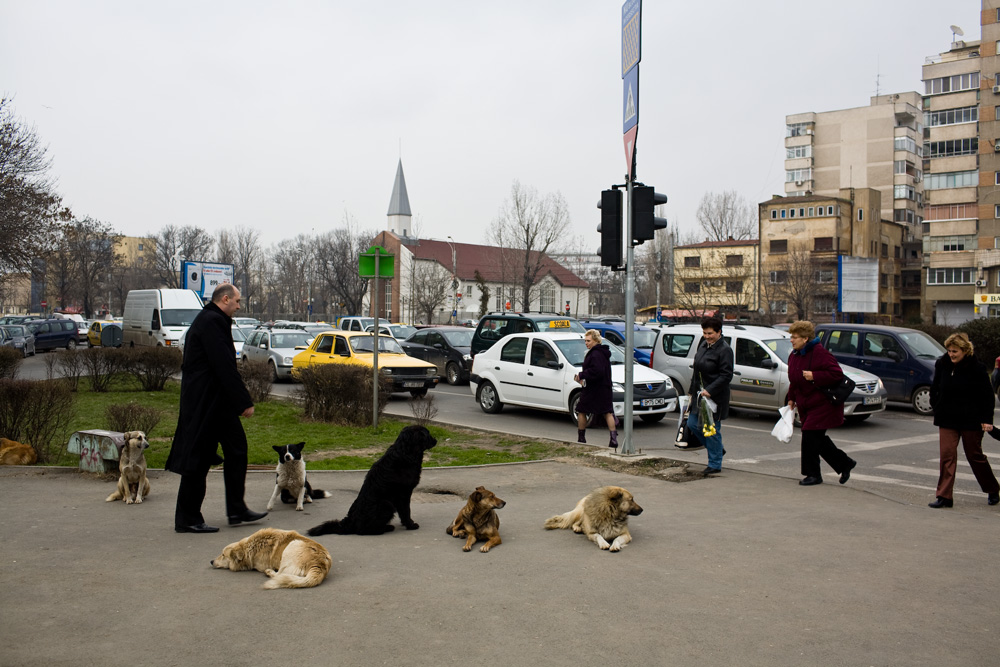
point(803, 238)
point(717, 275)
point(876, 147)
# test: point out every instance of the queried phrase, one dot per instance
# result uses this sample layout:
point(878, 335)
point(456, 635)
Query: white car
point(536, 370)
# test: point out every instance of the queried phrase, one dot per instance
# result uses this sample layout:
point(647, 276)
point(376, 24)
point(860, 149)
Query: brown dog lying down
point(290, 559)
point(133, 485)
point(13, 453)
point(601, 515)
point(478, 520)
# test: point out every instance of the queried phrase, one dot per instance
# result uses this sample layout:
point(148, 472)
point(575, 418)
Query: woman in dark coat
point(595, 397)
point(713, 372)
point(963, 408)
point(811, 366)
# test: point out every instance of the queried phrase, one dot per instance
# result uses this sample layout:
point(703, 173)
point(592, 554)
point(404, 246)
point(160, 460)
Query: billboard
point(857, 278)
point(204, 277)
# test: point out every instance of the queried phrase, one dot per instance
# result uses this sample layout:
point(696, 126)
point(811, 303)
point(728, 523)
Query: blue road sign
point(630, 100)
point(631, 35)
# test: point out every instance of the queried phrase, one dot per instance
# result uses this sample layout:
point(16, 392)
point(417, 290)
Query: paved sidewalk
point(741, 569)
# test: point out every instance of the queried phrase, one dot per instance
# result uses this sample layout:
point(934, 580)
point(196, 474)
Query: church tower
point(399, 206)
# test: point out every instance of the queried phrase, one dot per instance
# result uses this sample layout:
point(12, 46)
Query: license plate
point(413, 384)
point(650, 402)
point(871, 400)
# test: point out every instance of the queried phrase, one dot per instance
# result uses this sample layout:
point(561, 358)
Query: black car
point(494, 326)
point(53, 333)
point(448, 348)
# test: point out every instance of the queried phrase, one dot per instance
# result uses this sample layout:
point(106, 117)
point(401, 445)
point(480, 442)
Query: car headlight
point(668, 383)
point(880, 385)
point(616, 386)
point(287, 361)
point(466, 357)
point(431, 372)
point(387, 371)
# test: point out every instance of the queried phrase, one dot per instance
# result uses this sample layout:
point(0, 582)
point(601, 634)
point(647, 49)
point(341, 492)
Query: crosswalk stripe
point(923, 471)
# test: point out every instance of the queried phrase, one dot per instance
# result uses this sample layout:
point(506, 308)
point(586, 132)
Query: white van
point(159, 316)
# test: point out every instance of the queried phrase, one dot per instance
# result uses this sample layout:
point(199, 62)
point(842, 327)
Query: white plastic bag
point(785, 427)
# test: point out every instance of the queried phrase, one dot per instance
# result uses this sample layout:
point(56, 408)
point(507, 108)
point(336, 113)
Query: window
point(825, 304)
point(782, 214)
point(951, 116)
point(340, 347)
point(325, 345)
point(797, 129)
point(140, 247)
point(734, 286)
point(774, 211)
point(734, 260)
point(895, 252)
point(951, 147)
point(791, 213)
point(751, 353)
point(824, 276)
point(907, 144)
point(843, 342)
point(954, 179)
point(951, 84)
point(677, 345)
point(949, 276)
point(904, 192)
point(823, 244)
point(798, 151)
point(861, 215)
point(812, 211)
point(778, 277)
point(884, 280)
point(692, 288)
point(779, 306)
point(547, 298)
point(829, 210)
point(906, 168)
point(885, 250)
point(692, 262)
point(904, 215)
point(798, 175)
point(950, 212)
point(895, 280)
point(541, 353)
point(779, 246)
point(514, 350)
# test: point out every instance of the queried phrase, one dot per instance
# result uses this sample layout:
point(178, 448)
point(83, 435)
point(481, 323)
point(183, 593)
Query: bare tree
point(727, 215)
point(91, 245)
point(797, 279)
point(174, 244)
point(29, 206)
point(484, 293)
point(337, 254)
point(248, 264)
point(529, 224)
point(291, 264)
point(431, 287)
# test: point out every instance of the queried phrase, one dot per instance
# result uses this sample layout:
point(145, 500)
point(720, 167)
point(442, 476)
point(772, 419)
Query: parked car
point(18, 319)
point(277, 348)
point(494, 326)
point(536, 370)
point(902, 358)
point(18, 337)
point(94, 332)
point(82, 327)
point(312, 327)
point(352, 323)
point(53, 333)
point(643, 337)
point(159, 317)
point(448, 348)
point(357, 347)
point(246, 322)
point(239, 340)
point(398, 331)
point(760, 370)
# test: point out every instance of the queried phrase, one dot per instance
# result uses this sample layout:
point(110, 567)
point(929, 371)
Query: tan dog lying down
point(133, 485)
point(478, 520)
point(602, 515)
point(13, 453)
point(290, 559)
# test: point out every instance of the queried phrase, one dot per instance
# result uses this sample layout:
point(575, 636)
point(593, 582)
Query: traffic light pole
point(626, 444)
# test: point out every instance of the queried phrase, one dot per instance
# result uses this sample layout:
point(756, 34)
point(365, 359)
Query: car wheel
point(653, 418)
point(274, 370)
point(922, 401)
point(24, 352)
point(488, 399)
point(453, 373)
point(418, 393)
point(71, 344)
point(574, 415)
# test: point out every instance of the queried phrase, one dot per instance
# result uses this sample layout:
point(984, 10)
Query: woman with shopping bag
point(810, 368)
point(713, 371)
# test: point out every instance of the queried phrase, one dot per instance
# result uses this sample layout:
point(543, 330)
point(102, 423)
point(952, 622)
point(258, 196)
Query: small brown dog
point(132, 484)
point(13, 453)
point(478, 520)
point(289, 559)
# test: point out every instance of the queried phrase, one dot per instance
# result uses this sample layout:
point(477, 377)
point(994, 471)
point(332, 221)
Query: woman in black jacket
point(595, 397)
point(963, 409)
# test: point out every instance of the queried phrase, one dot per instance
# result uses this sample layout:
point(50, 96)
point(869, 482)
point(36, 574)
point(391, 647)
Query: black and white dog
point(290, 478)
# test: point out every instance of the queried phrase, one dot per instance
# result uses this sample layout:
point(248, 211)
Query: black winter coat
point(596, 395)
point(714, 365)
point(961, 394)
point(212, 392)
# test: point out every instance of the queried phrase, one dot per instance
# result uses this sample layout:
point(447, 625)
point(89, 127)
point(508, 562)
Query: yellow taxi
point(94, 332)
point(357, 347)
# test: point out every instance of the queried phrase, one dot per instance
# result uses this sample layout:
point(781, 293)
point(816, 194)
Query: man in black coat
point(213, 398)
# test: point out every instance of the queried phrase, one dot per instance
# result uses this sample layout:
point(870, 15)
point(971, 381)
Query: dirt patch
point(657, 468)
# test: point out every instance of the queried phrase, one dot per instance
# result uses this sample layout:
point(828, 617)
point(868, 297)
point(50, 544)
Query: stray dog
point(387, 488)
point(13, 453)
point(602, 515)
point(289, 559)
point(290, 478)
point(132, 484)
point(478, 520)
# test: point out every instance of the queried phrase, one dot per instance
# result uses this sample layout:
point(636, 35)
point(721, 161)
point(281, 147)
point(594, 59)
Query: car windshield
point(363, 344)
point(575, 350)
point(401, 331)
point(459, 338)
point(562, 324)
point(644, 340)
point(14, 331)
point(922, 345)
point(178, 317)
point(290, 340)
point(780, 346)
point(239, 336)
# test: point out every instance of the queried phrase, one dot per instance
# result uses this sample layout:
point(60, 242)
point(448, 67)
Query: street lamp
point(454, 282)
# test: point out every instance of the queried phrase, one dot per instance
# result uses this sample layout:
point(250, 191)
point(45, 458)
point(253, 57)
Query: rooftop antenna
point(955, 30)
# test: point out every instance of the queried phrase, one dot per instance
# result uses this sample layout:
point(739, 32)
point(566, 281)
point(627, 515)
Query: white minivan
point(159, 317)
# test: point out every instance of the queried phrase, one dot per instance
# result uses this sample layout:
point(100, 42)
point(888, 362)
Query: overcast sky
point(289, 116)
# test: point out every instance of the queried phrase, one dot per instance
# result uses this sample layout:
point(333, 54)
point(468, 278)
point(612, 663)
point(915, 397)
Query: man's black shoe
point(711, 471)
point(197, 528)
point(810, 481)
point(246, 516)
point(940, 502)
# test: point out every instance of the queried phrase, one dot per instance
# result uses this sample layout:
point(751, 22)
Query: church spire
point(399, 205)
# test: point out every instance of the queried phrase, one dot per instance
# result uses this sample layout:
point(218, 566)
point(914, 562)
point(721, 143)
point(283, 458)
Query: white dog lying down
point(289, 559)
point(602, 515)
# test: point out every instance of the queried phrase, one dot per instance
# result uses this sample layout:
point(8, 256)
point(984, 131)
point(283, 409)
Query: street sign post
point(376, 263)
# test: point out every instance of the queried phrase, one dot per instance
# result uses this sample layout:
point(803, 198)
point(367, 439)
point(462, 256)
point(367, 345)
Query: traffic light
point(610, 227)
point(644, 222)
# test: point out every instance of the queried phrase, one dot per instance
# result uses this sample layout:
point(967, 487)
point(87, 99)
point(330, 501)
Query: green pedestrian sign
point(376, 262)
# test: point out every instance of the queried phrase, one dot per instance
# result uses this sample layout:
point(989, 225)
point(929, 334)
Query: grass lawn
point(328, 446)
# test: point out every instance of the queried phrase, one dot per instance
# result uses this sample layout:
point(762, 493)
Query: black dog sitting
point(387, 488)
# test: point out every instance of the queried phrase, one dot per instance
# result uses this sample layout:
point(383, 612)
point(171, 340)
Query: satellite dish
point(955, 30)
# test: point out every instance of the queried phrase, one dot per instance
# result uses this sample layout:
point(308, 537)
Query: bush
point(152, 366)
point(35, 412)
point(258, 378)
point(341, 393)
point(70, 365)
point(423, 409)
point(10, 361)
point(102, 364)
point(985, 336)
point(131, 417)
